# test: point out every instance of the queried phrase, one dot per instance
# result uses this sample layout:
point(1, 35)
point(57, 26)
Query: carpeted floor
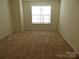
point(35, 45)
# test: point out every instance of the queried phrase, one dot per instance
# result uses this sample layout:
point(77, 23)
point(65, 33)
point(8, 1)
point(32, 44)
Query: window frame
point(42, 23)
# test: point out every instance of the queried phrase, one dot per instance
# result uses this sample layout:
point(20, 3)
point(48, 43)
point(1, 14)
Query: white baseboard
point(38, 29)
point(77, 52)
point(5, 35)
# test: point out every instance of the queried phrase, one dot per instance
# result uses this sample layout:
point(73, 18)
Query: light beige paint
point(69, 22)
point(17, 17)
point(5, 19)
point(28, 18)
point(21, 15)
point(41, 0)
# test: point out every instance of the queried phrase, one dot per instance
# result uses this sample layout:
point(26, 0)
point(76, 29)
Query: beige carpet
point(35, 45)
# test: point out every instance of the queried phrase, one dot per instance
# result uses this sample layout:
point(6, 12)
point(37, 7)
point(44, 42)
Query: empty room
point(39, 29)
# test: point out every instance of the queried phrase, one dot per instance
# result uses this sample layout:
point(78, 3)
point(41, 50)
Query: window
point(41, 14)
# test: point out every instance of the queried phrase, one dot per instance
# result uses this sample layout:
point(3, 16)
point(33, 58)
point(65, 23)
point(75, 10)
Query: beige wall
point(5, 19)
point(21, 15)
point(16, 13)
point(27, 15)
point(41, 0)
point(69, 21)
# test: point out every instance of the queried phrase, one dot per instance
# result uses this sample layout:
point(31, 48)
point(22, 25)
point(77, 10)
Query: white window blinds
point(41, 14)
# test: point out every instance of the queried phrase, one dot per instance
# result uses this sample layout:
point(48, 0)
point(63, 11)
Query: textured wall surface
point(69, 21)
point(28, 17)
point(5, 19)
